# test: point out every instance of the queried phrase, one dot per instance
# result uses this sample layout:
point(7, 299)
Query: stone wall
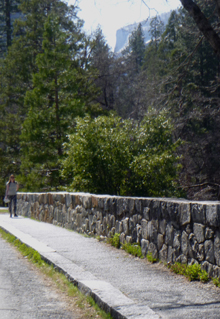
point(172, 230)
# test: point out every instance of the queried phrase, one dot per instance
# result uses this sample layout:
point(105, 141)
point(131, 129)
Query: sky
point(112, 15)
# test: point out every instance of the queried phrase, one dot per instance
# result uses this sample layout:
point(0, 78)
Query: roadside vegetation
point(191, 272)
point(87, 305)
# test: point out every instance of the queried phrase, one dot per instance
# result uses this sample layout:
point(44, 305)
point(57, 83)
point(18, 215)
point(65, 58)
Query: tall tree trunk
point(8, 21)
point(203, 23)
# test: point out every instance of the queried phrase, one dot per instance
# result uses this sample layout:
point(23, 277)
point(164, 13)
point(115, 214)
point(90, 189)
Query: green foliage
point(121, 157)
point(53, 104)
point(133, 249)
point(150, 258)
point(216, 282)
point(203, 276)
point(192, 272)
point(115, 241)
point(178, 268)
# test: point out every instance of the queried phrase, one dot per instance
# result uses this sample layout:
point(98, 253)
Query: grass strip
point(58, 278)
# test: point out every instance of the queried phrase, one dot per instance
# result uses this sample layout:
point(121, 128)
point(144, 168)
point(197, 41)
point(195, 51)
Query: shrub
point(133, 249)
point(151, 259)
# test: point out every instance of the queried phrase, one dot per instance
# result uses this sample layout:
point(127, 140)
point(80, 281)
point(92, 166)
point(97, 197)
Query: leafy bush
point(133, 249)
point(192, 272)
point(122, 157)
point(115, 241)
point(150, 258)
point(216, 282)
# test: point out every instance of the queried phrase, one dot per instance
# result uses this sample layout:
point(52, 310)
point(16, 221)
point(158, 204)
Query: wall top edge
point(161, 199)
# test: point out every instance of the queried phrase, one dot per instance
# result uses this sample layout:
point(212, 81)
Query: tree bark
point(8, 21)
point(203, 23)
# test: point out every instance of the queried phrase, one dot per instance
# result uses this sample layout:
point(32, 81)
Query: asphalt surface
point(126, 286)
point(23, 293)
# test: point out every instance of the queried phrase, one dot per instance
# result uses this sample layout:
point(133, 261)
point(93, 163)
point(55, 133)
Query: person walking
point(11, 193)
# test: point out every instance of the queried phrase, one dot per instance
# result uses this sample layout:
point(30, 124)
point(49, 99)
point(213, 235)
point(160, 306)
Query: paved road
point(23, 294)
point(142, 290)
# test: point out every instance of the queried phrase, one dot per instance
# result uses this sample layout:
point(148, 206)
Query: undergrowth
point(133, 249)
point(60, 279)
point(192, 272)
point(151, 259)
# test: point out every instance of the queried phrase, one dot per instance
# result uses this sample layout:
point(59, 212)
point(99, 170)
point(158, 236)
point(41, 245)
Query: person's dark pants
point(13, 201)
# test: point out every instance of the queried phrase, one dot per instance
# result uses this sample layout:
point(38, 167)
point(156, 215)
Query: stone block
point(198, 213)
point(199, 232)
point(94, 200)
point(213, 215)
point(208, 268)
point(169, 235)
point(138, 206)
point(216, 271)
point(209, 233)
point(182, 259)
point(177, 240)
point(112, 221)
point(144, 223)
point(162, 226)
point(118, 227)
point(131, 206)
point(152, 231)
point(128, 239)
point(160, 241)
point(144, 246)
point(101, 203)
point(217, 248)
point(209, 251)
point(193, 246)
point(185, 244)
point(173, 210)
point(122, 206)
point(125, 226)
point(170, 252)
point(163, 254)
point(134, 235)
point(87, 224)
point(122, 238)
point(188, 229)
point(139, 234)
point(155, 209)
point(164, 211)
point(185, 215)
point(146, 213)
point(87, 201)
point(152, 249)
point(200, 253)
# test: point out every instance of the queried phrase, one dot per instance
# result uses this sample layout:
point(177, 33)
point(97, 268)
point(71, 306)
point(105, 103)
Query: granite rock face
point(170, 229)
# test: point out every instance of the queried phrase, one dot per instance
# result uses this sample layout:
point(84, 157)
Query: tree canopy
point(76, 116)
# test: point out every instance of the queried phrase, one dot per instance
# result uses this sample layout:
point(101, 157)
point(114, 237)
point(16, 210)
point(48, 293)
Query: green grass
point(3, 211)
point(192, 272)
point(151, 259)
point(216, 282)
point(133, 249)
point(115, 241)
point(58, 278)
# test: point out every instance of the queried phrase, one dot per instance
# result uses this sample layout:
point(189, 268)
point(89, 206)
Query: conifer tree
point(61, 91)
point(9, 11)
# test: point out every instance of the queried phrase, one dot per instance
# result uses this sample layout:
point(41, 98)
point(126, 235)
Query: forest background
point(76, 117)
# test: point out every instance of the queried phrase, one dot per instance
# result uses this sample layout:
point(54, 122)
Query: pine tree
point(19, 64)
point(61, 91)
point(9, 11)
